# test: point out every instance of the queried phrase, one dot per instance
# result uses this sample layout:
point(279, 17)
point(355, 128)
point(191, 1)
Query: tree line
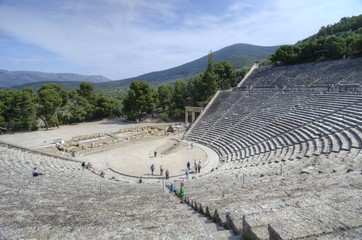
point(53, 106)
point(343, 39)
point(22, 109)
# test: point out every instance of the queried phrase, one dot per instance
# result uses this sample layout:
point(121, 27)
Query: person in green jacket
point(182, 192)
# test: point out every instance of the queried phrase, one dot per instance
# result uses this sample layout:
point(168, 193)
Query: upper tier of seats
point(348, 71)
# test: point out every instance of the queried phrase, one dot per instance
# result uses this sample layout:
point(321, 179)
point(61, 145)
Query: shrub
point(164, 116)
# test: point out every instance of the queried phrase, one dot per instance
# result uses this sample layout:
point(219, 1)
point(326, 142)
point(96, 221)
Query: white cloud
point(124, 38)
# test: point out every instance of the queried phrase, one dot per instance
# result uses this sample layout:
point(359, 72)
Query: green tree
point(105, 106)
point(225, 75)
point(6, 97)
point(178, 99)
point(164, 96)
point(2, 111)
point(87, 100)
point(208, 80)
point(86, 90)
point(28, 108)
point(74, 110)
point(50, 99)
point(18, 109)
point(308, 51)
point(335, 46)
point(193, 95)
point(201, 88)
point(141, 98)
point(355, 48)
point(286, 54)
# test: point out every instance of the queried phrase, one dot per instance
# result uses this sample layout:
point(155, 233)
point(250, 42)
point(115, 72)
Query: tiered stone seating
point(312, 74)
point(286, 153)
point(289, 126)
point(69, 203)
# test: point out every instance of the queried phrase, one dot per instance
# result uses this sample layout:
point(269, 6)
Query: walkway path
point(212, 230)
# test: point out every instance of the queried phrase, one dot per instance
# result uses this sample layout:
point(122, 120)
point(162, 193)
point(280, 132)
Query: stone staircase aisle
point(209, 229)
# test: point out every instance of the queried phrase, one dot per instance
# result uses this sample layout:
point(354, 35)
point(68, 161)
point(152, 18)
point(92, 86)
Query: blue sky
point(126, 38)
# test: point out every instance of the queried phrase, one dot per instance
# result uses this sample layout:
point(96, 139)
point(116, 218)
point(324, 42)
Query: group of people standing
point(161, 171)
point(197, 168)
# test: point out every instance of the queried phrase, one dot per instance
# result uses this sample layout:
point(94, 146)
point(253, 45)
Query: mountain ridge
point(18, 78)
point(239, 55)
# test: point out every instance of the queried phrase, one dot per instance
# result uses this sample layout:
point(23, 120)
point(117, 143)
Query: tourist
point(199, 167)
point(83, 165)
point(103, 174)
point(167, 174)
point(155, 153)
point(161, 170)
point(187, 174)
point(171, 188)
point(140, 180)
point(152, 168)
point(182, 192)
point(188, 165)
point(195, 165)
point(36, 173)
point(192, 145)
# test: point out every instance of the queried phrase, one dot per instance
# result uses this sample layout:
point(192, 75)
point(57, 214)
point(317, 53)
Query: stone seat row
point(21, 162)
point(345, 140)
point(83, 216)
point(301, 134)
point(298, 137)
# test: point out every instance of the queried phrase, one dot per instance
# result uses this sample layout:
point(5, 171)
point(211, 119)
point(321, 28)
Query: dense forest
point(343, 39)
point(22, 109)
point(52, 105)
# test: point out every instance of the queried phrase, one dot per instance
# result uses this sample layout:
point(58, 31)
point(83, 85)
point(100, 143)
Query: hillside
point(18, 78)
point(335, 41)
point(239, 55)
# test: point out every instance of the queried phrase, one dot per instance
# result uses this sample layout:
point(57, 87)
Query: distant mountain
point(17, 78)
point(239, 55)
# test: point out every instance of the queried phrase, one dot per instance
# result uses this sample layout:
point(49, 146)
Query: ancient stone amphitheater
point(289, 141)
